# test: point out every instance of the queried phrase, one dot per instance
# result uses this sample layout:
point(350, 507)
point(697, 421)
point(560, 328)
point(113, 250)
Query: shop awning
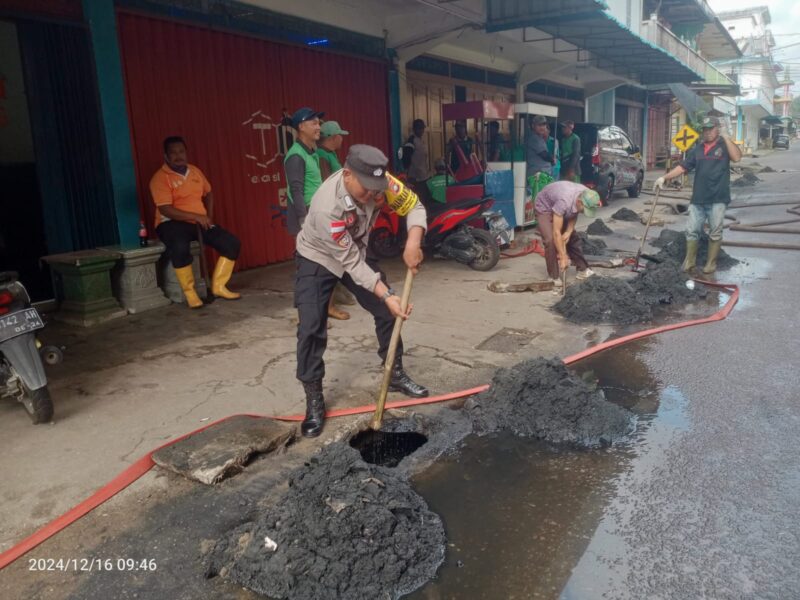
point(586, 25)
point(502, 15)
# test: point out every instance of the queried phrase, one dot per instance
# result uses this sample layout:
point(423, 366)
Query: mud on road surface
point(673, 248)
point(352, 530)
point(590, 246)
point(344, 529)
point(612, 300)
point(625, 214)
point(597, 227)
point(540, 398)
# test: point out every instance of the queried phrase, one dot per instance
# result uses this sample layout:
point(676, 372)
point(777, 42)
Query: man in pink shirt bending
point(557, 207)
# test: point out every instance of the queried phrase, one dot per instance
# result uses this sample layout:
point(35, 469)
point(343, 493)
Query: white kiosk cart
point(523, 202)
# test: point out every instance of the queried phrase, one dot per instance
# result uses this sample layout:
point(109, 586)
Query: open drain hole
point(387, 448)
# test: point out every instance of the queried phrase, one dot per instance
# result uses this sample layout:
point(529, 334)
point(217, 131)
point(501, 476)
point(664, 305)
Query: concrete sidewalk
point(129, 386)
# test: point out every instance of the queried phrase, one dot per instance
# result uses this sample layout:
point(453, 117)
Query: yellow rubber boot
point(690, 262)
point(713, 252)
point(186, 281)
point(222, 275)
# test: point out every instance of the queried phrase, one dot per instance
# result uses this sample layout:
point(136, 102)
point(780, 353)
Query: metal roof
point(680, 11)
point(502, 15)
point(588, 26)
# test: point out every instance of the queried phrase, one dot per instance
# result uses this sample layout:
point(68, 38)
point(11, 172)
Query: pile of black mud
point(611, 300)
point(344, 529)
point(767, 169)
point(540, 398)
point(665, 283)
point(598, 228)
point(625, 214)
point(604, 299)
point(673, 248)
point(591, 247)
point(747, 179)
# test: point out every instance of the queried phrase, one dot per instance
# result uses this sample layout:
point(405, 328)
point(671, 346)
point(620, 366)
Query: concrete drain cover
point(223, 449)
point(508, 340)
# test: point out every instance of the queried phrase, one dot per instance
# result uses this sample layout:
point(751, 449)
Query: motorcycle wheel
point(38, 404)
point(488, 252)
point(384, 244)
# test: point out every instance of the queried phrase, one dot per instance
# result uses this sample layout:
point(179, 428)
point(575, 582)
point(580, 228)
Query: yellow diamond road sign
point(685, 137)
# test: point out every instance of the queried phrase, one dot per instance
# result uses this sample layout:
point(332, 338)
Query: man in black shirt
point(711, 193)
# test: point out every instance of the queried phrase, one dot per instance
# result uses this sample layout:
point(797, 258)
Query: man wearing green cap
point(711, 192)
point(330, 141)
point(329, 144)
point(557, 207)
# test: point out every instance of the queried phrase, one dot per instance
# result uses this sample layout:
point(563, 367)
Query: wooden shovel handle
point(377, 418)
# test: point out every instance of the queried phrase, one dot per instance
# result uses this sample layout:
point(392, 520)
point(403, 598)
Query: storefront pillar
point(101, 19)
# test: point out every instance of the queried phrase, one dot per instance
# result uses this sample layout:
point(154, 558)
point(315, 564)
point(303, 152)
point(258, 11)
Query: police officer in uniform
point(332, 247)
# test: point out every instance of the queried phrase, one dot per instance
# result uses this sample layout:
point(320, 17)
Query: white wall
point(16, 144)
point(628, 12)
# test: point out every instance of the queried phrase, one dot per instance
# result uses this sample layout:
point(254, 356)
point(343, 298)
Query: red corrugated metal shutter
point(212, 88)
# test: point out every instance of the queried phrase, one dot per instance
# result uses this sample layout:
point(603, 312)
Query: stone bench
point(134, 279)
point(83, 283)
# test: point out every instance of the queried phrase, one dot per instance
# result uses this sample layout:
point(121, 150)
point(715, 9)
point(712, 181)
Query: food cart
point(479, 178)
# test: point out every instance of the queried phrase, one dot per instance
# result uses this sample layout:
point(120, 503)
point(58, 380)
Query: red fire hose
point(145, 463)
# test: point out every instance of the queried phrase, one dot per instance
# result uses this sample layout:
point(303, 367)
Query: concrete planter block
point(169, 282)
point(84, 279)
point(134, 280)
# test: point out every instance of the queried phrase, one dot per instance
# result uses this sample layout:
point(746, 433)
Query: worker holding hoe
point(557, 207)
point(711, 192)
point(332, 247)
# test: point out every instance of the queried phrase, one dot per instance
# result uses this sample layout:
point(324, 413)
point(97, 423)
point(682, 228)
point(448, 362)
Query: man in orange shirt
point(183, 200)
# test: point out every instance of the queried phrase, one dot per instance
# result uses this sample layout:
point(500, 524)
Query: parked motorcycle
point(22, 374)
point(449, 235)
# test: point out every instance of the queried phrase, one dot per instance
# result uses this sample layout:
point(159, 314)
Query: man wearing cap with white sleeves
point(332, 247)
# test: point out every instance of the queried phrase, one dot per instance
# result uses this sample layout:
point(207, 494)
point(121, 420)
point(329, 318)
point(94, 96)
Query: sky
point(785, 28)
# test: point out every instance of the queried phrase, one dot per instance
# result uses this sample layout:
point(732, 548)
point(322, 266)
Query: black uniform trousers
point(312, 291)
point(178, 236)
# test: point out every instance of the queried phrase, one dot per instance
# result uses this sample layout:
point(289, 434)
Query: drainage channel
point(387, 448)
point(522, 515)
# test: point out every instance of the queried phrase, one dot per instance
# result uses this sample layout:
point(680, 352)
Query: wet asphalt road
point(712, 510)
point(704, 505)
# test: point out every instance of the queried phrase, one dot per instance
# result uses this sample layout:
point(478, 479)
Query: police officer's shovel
point(204, 266)
point(377, 418)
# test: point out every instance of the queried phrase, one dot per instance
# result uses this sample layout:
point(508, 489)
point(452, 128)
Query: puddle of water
point(524, 518)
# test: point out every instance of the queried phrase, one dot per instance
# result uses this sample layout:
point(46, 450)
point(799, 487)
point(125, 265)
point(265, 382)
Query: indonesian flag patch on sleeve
point(337, 230)
point(339, 234)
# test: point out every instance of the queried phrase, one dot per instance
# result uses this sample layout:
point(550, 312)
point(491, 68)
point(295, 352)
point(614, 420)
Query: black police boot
point(401, 382)
point(315, 409)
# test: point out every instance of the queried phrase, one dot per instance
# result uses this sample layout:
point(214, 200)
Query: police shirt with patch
point(712, 166)
point(336, 231)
